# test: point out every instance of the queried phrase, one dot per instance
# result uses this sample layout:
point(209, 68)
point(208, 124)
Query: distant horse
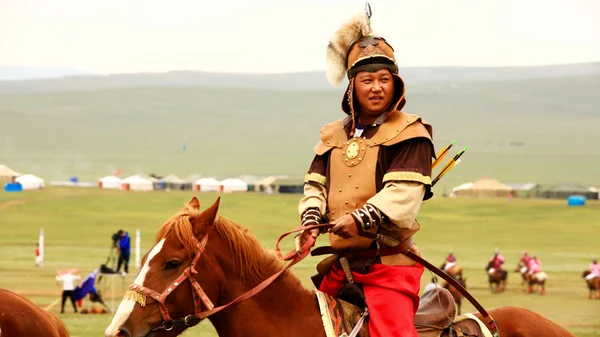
point(538, 278)
point(532, 280)
point(455, 293)
point(454, 271)
point(522, 269)
point(593, 285)
point(19, 317)
point(205, 263)
point(498, 277)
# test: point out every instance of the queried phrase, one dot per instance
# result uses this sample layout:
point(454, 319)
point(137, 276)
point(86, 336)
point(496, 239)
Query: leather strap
point(404, 246)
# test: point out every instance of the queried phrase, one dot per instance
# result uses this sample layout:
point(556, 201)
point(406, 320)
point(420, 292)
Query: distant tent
point(563, 191)
point(525, 190)
point(110, 182)
point(233, 185)
point(265, 185)
point(190, 180)
point(206, 185)
point(456, 191)
point(172, 182)
point(487, 188)
point(137, 183)
point(30, 182)
point(290, 185)
point(7, 175)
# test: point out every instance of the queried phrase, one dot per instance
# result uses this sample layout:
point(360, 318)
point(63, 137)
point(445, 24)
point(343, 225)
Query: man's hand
point(345, 227)
point(305, 235)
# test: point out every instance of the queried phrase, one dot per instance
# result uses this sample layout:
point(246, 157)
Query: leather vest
point(352, 170)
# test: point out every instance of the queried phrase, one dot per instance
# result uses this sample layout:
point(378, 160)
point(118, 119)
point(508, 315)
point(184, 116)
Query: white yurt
point(456, 190)
point(234, 185)
point(111, 182)
point(206, 185)
point(30, 182)
point(137, 183)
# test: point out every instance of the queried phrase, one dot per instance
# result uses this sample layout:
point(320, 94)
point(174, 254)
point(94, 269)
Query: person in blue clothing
point(124, 248)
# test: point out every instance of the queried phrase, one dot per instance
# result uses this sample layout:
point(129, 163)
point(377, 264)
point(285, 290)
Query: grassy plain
point(79, 222)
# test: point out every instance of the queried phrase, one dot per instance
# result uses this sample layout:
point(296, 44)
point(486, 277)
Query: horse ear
point(195, 203)
point(207, 217)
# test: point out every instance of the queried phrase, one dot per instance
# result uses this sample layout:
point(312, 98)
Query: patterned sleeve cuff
point(316, 177)
point(311, 216)
point(368, 217)
point(407, 176)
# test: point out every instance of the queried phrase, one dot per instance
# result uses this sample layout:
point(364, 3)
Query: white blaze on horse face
point(126, 306)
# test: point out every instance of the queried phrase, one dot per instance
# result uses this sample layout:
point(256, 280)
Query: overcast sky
point(118, 36)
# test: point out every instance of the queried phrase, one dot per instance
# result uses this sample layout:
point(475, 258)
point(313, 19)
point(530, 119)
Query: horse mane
point(59, 325)
point(251, 259)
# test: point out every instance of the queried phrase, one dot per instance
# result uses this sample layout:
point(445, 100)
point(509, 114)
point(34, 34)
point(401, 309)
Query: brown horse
point(498, 277)
point(531, 280)
point(454, 271)
point(522, 269)
point(19, 317)
point(593, 285)
point(200, 258)
point(455, 293)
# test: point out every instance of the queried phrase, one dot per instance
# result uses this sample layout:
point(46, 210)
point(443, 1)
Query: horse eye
point(172, 265)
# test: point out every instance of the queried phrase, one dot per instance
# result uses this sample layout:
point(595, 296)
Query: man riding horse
point(523, 267)
point(371, 172)
point(497, 275)
point(535, 275)
point(594, 270)
point(496, 263)
point(450, 266)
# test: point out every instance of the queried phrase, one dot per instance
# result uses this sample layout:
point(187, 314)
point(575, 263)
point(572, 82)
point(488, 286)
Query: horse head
point(159, 300)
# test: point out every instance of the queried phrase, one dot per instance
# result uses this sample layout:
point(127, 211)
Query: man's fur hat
point(354, 48)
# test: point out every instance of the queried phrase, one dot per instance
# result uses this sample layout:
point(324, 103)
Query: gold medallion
point(352, 150)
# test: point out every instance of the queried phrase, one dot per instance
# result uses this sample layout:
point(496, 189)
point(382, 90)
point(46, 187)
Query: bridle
point(141, 293)
point(199, 294)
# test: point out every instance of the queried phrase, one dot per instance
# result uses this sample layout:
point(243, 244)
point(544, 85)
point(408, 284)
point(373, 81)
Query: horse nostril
point(122, 332)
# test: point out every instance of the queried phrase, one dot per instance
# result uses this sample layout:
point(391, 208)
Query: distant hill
point(541, 125)
point(36, 73)
point(292, 81)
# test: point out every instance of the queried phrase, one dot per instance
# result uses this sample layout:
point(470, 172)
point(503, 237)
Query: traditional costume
point(535, 266)
point(497, 261)
point(379, 173)
point(450, 261)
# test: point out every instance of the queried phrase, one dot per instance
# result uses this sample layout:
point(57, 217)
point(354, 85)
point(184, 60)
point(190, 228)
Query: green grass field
point(79, 222)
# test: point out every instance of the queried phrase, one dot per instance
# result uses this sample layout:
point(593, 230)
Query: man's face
point(374, 91)
point(122, 234)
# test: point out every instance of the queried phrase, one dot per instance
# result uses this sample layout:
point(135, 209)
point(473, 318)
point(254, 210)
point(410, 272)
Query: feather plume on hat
point(339, 46)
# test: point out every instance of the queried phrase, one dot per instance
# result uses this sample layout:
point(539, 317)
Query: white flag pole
point(41, 242)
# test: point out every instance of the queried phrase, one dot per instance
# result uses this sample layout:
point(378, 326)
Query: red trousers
point(392, 294)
